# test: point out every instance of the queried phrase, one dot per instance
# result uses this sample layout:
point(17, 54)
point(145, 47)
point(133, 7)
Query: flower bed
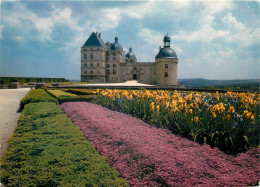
point(229, 121)
point(48, 150)
point(149, 156)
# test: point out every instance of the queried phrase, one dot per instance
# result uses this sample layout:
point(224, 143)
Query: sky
point(213, 39)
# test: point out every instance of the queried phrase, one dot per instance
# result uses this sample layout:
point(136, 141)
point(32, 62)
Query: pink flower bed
point(148, 156)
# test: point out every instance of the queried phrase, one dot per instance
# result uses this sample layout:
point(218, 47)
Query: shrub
point(82, 91)
point(38, 95)
point(69, 97)
point(83, 98)
point(60, 93)
point(46, 149)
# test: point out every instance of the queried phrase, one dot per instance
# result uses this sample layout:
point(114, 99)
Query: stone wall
point(166, 71)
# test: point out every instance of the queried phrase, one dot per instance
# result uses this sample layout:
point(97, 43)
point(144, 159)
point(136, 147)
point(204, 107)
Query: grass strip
point(46, 149)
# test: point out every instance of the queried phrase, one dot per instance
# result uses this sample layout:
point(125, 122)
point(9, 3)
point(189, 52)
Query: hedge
point(60, 93)
point(46, 149)
point(82, 91)
point(37, 95)
point(63, 96)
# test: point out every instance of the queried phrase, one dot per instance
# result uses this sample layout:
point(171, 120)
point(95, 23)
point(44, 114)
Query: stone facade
point(108, 63)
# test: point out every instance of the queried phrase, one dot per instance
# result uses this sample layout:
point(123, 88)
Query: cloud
point(62, 15)
point(230, 21)
point(109, 18)
point(20, 17)
point(239, 33)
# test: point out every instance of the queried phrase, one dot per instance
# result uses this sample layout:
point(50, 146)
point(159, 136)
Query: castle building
point(107, 63)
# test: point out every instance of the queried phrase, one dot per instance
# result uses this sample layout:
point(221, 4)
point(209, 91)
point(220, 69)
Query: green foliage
point(22, 80)
point(82, 91)
point(82, 98)
point(60, 93)
point(46, 149)
point(69, 97)
point(38, 95)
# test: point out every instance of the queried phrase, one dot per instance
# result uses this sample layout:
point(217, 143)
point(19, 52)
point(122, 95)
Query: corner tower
point(166, 64)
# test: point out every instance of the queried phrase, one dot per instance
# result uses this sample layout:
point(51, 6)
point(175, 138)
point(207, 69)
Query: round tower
point(166, 64)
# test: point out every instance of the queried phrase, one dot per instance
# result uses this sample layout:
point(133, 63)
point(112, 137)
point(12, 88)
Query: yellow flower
point(228, 117)
point(214, 115)
point(232, 109)
point(158, 108)
point(252, 117)
point(152, 106)
point(190, 111)
point(196, 119)
point(205, 104)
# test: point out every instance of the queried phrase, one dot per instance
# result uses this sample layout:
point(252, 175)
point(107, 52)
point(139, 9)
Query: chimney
point(99, 35)
point(96, 32)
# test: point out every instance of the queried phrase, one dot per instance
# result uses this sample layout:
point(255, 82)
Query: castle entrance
point(134, 77)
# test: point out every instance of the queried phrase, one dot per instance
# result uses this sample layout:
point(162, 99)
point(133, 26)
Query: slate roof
point(94, 41)
point(166, 52)
point(130, 54)
point(116, 45)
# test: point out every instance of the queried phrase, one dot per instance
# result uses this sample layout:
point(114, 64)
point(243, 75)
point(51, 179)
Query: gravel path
point(9, 105)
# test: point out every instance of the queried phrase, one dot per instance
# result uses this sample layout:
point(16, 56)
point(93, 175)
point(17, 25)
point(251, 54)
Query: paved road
point(9, 104)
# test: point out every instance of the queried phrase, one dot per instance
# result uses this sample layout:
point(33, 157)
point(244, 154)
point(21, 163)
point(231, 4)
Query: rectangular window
point(107, 65)
point(91, 56)
point(97, 64)
point(134, 68)
point(85, 72)
point(85, 65)
point(166, 74)
point(114, 53)
point(114, 58)
point(114, 71)
point(91, 65)
point(91, 72)
point(85, 56)
point(108, 72)
point(114, 65)
point(97, 56)
point(166, 66)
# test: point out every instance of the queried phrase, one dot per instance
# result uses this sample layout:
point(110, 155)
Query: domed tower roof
point(130, 54)
point(166, 38)
point(166, 51)
point(116, 45)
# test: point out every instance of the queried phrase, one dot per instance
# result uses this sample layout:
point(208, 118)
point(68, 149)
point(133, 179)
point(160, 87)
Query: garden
point(141, 137)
